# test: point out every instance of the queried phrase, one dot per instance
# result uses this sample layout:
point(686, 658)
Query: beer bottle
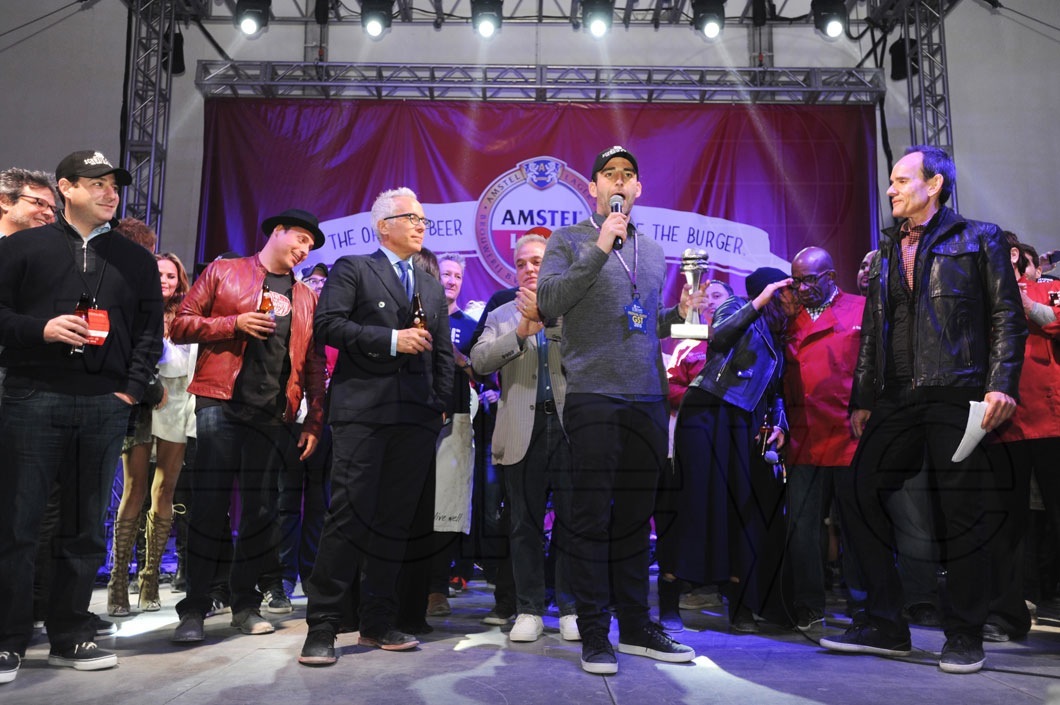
point(419, 316)
point(81, 311)
point(266, 302)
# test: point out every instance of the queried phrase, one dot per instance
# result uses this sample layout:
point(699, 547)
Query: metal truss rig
point(580, 84)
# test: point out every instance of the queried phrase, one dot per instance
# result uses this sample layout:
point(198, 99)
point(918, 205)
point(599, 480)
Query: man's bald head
point(815, 259)
point(814, 276)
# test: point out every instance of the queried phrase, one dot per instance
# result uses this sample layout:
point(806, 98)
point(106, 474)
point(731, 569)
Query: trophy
point(693, 264)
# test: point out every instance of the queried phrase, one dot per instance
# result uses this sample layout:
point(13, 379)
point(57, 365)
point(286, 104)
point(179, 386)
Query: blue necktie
point(406, 280)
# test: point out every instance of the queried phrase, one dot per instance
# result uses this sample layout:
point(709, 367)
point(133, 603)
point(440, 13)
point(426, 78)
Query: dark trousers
point(1014, 464)
point(304, 489)
point(618, 449)
point(75, 441)
point(545, 467)
point(232, 452)
point(810, 491)
point(377, 477)
point(906, 427)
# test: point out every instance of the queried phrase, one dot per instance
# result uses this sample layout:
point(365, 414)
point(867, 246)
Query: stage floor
point(463, 661)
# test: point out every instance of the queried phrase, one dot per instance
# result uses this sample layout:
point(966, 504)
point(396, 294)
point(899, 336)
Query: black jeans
point(232, 453)
point(905, 427)
point(75, 441)
point(618, 449)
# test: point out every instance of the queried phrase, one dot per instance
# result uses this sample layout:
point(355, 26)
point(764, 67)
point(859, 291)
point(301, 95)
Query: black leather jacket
point(968, 326)
point(743, 362)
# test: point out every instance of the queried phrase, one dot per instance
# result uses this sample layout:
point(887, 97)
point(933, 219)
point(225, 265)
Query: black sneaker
point(962, 654)
point(277, 602)
point(390, 640)
point(653, 641)
point(497, 617)
point(103, 627)
point(924, 614)
point(319, 648)
point(9, 664)
point(218, 606)
point(85, 656)
point(597, 655)
point(808, 618)
point(863, 638)
point(995, 633)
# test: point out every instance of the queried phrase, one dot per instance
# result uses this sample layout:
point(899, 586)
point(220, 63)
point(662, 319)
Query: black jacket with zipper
point(968, 323)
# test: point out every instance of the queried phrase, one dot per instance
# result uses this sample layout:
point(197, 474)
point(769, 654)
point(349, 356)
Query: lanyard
point(632, 274)
point(81, 273)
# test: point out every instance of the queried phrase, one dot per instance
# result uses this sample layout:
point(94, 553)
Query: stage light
point(596, 15)
point(829, 17)
point(376, 16)
point(252, 16)
point(486, 16)
point(708, 17)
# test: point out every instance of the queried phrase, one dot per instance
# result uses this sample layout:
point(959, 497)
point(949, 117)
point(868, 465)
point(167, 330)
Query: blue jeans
point(232, 453)
point(546, 466)
point(75, 441)
point(810, 490)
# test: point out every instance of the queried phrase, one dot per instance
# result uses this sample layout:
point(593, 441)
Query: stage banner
point(750, 185)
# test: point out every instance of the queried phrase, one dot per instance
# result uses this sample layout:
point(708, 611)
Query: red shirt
point(1038, 413)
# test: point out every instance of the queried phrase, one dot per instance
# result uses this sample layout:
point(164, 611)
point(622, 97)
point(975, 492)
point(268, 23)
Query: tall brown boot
point(157, 536)
point(121, 554)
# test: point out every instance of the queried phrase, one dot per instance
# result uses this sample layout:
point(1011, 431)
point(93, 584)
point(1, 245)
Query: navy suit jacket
point(362, 303)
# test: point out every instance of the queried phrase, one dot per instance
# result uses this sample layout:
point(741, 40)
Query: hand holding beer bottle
point(261, 323)
point(415, 339)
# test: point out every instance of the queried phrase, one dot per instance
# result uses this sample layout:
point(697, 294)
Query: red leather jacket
point(208, 317)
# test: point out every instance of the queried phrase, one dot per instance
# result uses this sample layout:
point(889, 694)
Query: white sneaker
point(528, 627)
point(568, 628)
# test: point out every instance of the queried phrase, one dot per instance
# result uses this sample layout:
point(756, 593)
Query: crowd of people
point(378, 439)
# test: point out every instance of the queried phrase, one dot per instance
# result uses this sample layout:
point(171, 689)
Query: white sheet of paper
point(973, 432)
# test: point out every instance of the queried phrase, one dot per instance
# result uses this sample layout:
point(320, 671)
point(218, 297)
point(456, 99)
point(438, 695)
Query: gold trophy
point(694, 265)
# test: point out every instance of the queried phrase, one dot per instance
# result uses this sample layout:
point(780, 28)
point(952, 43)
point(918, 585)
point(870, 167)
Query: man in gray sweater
point(606, 280)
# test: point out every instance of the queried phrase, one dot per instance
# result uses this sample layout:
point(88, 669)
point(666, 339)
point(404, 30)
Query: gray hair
point(529, 237)
point(453, 257)
point(384, 204)
point(13, 180)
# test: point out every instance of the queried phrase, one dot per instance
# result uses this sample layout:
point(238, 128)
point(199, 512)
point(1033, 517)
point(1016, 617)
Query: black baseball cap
point(610, 153)
point(299, 218)
point(90, 163)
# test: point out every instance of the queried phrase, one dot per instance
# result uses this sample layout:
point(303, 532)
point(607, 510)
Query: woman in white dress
point(167, 431)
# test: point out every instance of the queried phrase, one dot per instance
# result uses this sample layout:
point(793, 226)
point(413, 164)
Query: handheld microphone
point(616, 207)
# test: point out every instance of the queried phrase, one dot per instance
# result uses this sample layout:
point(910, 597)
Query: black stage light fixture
point(708, 17)
point(376, 16)
point(596, 15)
point(486, 17)
point(252, 16)
point(829, 17)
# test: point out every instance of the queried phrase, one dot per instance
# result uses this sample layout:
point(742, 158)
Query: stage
point(463, 661)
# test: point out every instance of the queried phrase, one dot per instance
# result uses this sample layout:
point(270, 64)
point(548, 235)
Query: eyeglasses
point(809, 279)
point(38, 202)
point(413, 218)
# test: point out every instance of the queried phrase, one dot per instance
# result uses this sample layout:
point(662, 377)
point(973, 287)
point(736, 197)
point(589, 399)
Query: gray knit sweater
point(591, 289)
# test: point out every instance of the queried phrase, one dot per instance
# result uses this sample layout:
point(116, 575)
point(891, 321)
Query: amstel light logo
point(537, 196)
